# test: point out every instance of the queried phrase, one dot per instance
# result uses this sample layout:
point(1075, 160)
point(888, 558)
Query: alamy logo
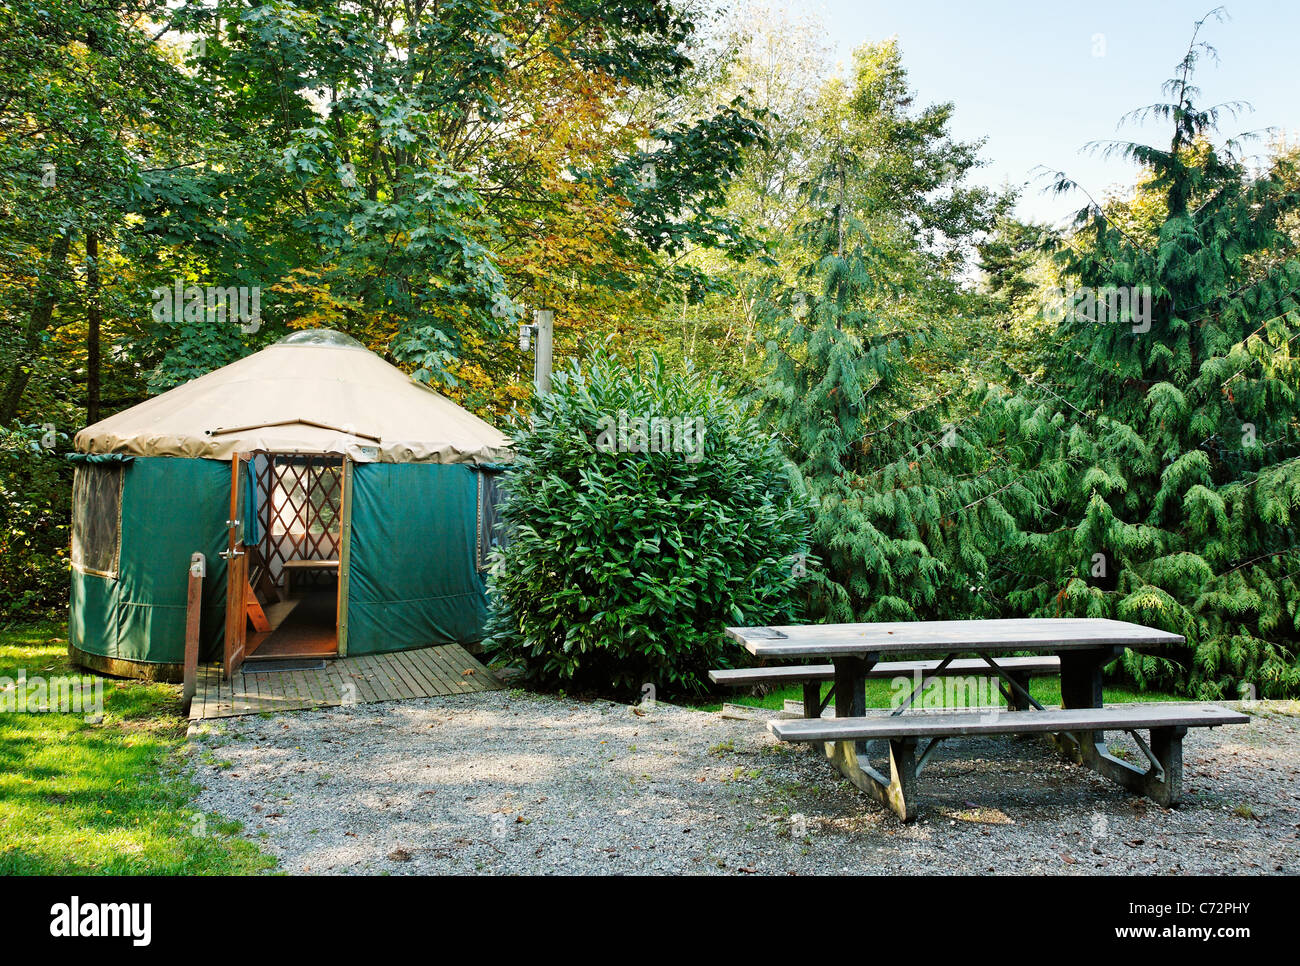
point(969, 692)
point(656, 434)
point(1132, 305)
point(62, 695)
point(116, 920)
point(203, 303)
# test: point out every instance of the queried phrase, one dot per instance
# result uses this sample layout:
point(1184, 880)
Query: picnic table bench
point(1082, 647)
point(811, 676)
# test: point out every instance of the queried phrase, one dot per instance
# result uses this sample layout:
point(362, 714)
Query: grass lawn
point(1046, 690)
point(78, 797)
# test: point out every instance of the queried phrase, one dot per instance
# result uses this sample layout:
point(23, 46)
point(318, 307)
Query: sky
point(1041, 80)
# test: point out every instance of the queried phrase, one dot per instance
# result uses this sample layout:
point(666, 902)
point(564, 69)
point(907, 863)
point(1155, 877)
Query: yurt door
point(236, 568)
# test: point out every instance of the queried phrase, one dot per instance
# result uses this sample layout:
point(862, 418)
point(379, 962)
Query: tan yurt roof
point(316, 391)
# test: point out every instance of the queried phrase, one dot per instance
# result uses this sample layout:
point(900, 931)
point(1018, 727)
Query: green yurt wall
point(413, 578)
point(170, 508)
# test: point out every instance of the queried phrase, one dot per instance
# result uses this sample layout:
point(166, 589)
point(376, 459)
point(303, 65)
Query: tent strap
point(224, 430)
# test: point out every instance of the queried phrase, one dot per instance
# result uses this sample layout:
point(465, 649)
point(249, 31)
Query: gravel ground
point(511, 782)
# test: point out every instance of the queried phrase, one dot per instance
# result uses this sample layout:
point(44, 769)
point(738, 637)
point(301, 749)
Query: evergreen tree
point(899, 491)
point(1132, 455)
point(1176, 358)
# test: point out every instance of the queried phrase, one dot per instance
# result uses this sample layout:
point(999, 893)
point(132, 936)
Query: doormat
point(273, 667)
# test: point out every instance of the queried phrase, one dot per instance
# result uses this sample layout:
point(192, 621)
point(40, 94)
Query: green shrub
point(35, 522)
point(624, 566)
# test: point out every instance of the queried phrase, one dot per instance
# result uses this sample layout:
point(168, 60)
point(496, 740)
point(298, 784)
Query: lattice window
point(300, 502)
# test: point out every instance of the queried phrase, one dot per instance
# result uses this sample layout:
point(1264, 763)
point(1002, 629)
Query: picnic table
point(1079, 647)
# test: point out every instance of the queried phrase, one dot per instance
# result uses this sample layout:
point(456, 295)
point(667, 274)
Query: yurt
point(340, 508)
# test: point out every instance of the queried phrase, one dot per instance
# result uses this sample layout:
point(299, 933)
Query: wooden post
point(193, 613)
point(544, 322)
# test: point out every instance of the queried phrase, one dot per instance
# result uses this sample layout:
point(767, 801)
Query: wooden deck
point(428, 672)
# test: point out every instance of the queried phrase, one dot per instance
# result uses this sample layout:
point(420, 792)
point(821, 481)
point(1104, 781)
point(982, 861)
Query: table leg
point(812, 699)
point(1081, 688)
point(1081, 681)
point(1081, 678)
point(1162, 778)
point(851, 689)
point(1015, 700)
point(850, 686)
point(897, 790)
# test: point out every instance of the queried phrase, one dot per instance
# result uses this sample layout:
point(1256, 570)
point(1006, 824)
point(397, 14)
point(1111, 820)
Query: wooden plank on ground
point(273, 689)
point(445, 670)
point(483, 672)
point(249, 685)
point(328, 685)
point(407, 675)
point(240, 699)
point(463, 660)
point(225, 704)
point(376, 679)
point(425, 671)
point(395, 686)
point(338, 681)
point(211, 694)
point(291, 689)
point(355, 673)
point(398, 675)
point(412, 675)
point(438, 674)
point(454, 657)
point(315, 693)
point(198, 705)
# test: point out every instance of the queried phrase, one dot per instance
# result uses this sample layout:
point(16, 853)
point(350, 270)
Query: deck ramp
point(366, 679)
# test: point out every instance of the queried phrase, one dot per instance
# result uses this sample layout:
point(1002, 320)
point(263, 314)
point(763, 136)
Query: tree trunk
point(39, 320)
point(94, 318)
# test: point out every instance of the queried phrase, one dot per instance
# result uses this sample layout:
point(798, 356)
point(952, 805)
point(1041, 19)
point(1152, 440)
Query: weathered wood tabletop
point(1013, 634)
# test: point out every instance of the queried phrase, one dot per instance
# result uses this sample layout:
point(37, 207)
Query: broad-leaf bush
point(624, 564)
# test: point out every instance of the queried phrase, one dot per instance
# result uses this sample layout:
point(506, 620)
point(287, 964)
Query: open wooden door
point(236, 569)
